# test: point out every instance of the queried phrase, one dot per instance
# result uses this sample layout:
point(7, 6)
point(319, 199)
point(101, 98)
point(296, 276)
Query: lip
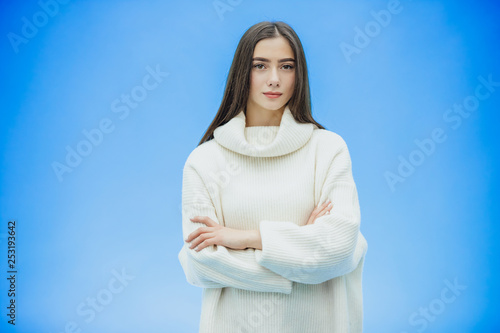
point(273, 94)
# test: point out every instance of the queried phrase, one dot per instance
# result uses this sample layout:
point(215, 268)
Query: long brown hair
point(238, 80)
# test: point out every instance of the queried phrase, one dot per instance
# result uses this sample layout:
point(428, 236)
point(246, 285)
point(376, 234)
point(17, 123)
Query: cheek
point(253, 82)
point(291, 84)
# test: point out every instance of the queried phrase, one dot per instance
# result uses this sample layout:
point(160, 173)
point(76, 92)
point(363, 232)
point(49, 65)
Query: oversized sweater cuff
point(310, 254)
point(272, 248)
point(280, 243)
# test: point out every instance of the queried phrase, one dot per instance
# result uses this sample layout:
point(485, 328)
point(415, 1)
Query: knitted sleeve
point(330, 247)
point(216, 266)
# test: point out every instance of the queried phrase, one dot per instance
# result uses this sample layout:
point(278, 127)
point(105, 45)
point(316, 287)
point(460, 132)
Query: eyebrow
point(267, 60)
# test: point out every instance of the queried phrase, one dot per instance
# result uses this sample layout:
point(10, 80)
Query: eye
point(290, 67)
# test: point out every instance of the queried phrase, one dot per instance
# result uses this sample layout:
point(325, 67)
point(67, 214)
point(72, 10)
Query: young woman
point(270, 211)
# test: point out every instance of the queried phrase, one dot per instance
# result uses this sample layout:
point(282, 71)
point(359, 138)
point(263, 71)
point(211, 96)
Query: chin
point(272, 106)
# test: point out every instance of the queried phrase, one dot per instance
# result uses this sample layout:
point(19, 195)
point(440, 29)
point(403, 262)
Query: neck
point(284, 137)
point(257, 116)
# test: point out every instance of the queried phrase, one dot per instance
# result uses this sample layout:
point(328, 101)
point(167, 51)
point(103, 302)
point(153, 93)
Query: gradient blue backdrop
point(118, 210)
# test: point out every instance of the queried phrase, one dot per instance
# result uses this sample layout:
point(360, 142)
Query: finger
point(201, 243)
point(192, 235)
point(196, 241)
point(201, 238)
point(318, 211)
point(204, 219)
point(319, 208)
point(201, 219)
point(328, 206)
point(197, 232)
point(327, 209)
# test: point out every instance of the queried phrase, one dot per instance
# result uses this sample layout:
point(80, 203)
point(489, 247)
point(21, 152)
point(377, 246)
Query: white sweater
point(306, 278)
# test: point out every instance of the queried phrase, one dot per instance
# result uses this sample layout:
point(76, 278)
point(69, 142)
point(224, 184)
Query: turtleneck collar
point(263, 141)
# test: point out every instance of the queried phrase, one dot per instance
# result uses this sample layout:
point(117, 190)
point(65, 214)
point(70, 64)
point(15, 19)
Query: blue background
point(118, 210)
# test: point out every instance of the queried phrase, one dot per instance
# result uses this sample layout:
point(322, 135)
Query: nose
point(274, 79)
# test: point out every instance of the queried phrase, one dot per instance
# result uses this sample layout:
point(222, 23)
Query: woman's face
point(273, 70)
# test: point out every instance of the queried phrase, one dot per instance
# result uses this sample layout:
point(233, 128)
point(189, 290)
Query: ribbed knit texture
point(306, 278)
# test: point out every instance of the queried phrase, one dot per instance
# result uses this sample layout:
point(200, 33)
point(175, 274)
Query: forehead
point(273, 48)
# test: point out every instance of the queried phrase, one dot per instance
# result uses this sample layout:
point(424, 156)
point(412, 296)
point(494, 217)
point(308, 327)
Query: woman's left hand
point(215, 234)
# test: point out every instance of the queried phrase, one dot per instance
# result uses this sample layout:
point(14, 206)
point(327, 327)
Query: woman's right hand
point(319, 211)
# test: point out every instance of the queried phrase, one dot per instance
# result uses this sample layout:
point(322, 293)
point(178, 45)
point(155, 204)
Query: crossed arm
point(215, 234)
point(270, 258)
